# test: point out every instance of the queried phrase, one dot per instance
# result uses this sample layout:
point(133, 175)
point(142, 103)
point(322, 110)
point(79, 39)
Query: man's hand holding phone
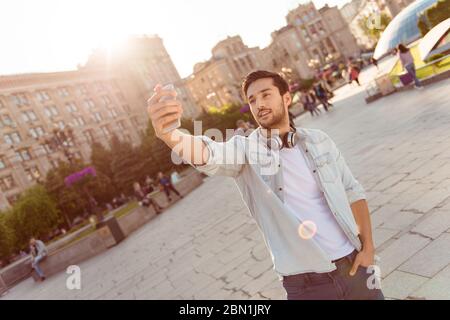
point(164, 111)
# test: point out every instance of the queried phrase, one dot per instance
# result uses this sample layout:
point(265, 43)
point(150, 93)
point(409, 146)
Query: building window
point(71, 107)
point(37, 132)
point(112, 113)
point(89, 104)
point(20, 99)
point(42, 96)
point(98, 117)
point(127, 138)
point(79, 121)
point(105, 131)
point(23, 155)
point(7, 121)
point(250, 62)
point(12, 138)
point(1, 104)
point(51, 111)
point(61, 125)
point(106, 100)
point(330, 45)
point(126, 108)
point(320, 27)
point(2, 163)
point(237, 66)
point(305, 33)
point(82, 89)
point(7, 183)
point(89, 136)
point(135, 121)
point(33, 174)
point(312, 30)
point(44, 149)
point(54, 163)
point(29, 116)
point(63, 92)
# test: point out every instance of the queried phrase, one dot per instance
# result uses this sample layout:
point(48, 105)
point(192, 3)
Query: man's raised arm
point(206, 155)
point(190, 148)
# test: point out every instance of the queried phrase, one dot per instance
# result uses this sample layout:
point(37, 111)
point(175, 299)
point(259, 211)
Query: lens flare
point(307, 229)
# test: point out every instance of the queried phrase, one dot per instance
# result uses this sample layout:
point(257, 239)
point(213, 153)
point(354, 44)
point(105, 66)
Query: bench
point(89, 246)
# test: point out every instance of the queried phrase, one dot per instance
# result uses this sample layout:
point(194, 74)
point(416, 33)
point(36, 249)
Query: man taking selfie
point(312, 212)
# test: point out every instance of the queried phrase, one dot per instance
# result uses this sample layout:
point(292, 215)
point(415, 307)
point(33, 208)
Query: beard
point(275, 119)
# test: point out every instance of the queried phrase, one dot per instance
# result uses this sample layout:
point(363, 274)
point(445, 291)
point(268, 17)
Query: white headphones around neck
point(288, 140)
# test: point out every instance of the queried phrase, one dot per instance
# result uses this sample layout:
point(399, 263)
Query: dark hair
point(278, 81)
point(402, 48)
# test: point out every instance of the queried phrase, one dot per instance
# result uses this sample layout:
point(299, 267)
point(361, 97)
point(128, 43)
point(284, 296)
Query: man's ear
point(287, 99)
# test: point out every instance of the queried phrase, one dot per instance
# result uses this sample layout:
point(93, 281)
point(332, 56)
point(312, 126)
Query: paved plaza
point(207, 246)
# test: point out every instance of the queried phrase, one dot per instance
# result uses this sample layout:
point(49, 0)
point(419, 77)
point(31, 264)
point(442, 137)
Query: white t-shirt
point(306, 201)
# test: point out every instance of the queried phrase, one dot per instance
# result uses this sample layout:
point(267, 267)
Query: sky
point(56, 35)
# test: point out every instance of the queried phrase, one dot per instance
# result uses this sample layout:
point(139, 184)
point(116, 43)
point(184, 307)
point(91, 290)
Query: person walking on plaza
point(38, 252)
point(167, 186)
point(353, 72)
point(345, 75)
point(142, 196)
point(308, 100)
point(407, 61)
point(321, 95)
point(310, 209)
point(374, 62)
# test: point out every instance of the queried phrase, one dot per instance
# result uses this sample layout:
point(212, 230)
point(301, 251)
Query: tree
point(125, 165)
point(7, 238)
point(101, 159)
point(71, 201)
point(433, 15)
point(34, 214)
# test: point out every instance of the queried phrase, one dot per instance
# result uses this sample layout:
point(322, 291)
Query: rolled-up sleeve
point(225, 158)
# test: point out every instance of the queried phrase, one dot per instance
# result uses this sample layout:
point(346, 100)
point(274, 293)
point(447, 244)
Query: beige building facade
point(102, 98)
point(216, 82)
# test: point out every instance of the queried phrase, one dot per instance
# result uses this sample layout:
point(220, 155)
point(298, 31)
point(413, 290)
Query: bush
point(7, 238)
point(34, 215)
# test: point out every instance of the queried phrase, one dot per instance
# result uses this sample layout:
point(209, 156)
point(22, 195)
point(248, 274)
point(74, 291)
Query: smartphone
point(173, 125)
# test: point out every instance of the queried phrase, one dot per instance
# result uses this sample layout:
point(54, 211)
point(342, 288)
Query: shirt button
point(280, 188)
point(314, 171)
point(306, 150)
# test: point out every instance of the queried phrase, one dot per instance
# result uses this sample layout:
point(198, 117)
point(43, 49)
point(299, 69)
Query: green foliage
point(125, 165)
point(433, 15)
point(35, 214)
point(7, 237)
point(220, 118)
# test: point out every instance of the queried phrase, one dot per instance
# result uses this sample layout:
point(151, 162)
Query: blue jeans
point(35, 265)
point(334, 285)
point(411, 69)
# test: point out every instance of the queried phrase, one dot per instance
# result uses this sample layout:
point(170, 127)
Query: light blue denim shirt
point(258, 175)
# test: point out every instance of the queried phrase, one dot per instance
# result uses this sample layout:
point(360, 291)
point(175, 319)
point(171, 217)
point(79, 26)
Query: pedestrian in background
point(308, 101)
point(167, 186)
point(321, 95)
point(38, 252)
point(407, 60)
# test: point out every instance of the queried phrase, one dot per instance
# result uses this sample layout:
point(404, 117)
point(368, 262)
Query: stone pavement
point(208, 247)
